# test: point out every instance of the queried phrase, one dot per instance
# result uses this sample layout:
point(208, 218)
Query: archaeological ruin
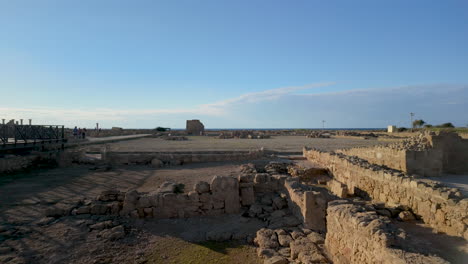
point(348, 205)
point(195, 127)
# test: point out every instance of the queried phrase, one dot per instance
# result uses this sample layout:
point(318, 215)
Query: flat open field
point(277, 143)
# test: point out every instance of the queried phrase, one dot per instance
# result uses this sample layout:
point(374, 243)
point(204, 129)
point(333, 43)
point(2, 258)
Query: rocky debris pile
point(286, 245)
point(224, 195)
point(277, 167)
point(420, 142)
point(319, 134)
point(357, 134)
point(401, 213)
point(356, 233)
point(243, 134)
point(437, 187)
point(248, 168)
point(175, 138)
point(311, 175)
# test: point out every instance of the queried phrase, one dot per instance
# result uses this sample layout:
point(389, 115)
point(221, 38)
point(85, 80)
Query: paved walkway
point(103, 140)
point(454, 181)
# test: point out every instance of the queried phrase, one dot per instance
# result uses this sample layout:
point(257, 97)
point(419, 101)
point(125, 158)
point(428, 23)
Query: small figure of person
point(84, 133)
point(75, 132)
point(80, 132)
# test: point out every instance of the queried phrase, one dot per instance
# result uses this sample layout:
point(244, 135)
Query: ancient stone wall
point(224, 195)
point(178, 158)
point(381, 155)
point(356, 235)
point(425, 154)
point(14, 163)
point(443, 208)
point(195, 127)
point(309, 204)
point(455, 152)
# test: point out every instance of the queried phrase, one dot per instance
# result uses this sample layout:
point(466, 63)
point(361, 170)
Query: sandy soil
point(278, 143)
point(32, 238)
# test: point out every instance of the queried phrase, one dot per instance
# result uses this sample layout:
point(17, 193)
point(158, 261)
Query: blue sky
point(234, 64)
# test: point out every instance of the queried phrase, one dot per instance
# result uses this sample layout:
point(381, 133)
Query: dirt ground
point(32, 238)
point(27, 236)
point(278, 143)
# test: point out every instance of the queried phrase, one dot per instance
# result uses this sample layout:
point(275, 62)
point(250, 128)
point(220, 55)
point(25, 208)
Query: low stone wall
point(309, 204)
point(424, 163)
point(381, 155)
point(355, 235)
point(455, 149)
point(445, 209)
point(14, 163)
point(427, 154)
point(178, 158)
point(224, 195)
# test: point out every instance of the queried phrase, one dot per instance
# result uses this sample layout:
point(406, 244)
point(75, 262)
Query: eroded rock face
point(226, 189)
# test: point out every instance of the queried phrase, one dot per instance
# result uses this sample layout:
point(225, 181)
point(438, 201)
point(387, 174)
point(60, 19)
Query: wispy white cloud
point(282, 107)
point(219, 108)
point(266, 95)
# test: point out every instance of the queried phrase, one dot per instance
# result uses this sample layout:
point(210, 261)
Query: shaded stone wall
point(448, 153)
point(381, 155)
point(224, 195)
point(444, 209)
point(455, 149)
point(14, 163)
point(195, 127)
point(355, 235)
point(309, 204)
point(175, 158)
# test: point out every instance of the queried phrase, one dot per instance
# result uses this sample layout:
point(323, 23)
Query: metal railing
point(30, 134)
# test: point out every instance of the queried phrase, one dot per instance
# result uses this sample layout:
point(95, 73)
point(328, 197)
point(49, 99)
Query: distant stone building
point(391, 129)
point(195, 127)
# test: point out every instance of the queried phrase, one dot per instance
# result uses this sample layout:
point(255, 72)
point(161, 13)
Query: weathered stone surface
point(246, 178)
point(255, 209)
point(156, 163)
point(284, 240)
point(306, 251)
point(167, 187)
point(266, 252)
point(406, 216)
point(285, 252)
point(201, 187)
point(195, 127)
point(316, 238)
point(279, 203)
point(247, 196)
point(227, 189)
point(115, 233)
point(356, 235)
point(83, 210)
point(266, 238)
point(276, 260)
point(296, 235)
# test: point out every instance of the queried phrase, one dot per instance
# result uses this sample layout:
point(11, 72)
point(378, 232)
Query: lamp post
point(412, 125)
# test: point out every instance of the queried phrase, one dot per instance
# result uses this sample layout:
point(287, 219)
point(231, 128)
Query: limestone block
point(247, 196)
point(167, 187)
point(156, 163)
point(338, 188)
point(266, 238)
point(201, 187)
point(246, 177)
point(276, 260)
point(194, 196)
point(227, 188)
